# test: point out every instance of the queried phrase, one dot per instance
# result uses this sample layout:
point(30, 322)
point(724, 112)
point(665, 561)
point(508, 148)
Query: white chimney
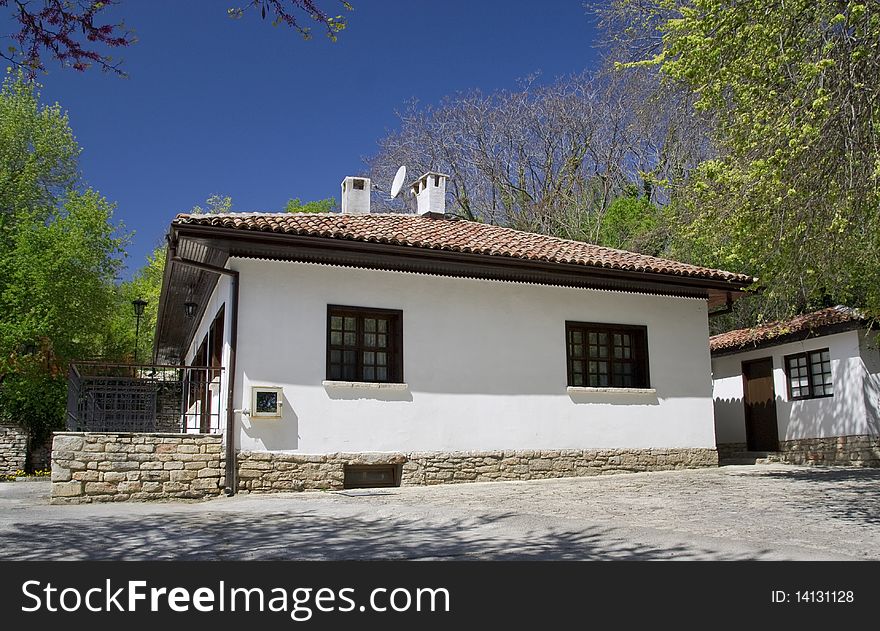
point(356, 196)
point(430, 193)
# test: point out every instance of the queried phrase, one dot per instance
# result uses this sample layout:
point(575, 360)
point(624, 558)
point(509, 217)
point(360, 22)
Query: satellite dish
point(398, 181)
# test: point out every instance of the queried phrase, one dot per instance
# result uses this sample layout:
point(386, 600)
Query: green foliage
point(632, 223)
point(318, 206)
point(146, 284)
point(214, 204)
point(59, 257)
point(794, 192)
point(38, 153)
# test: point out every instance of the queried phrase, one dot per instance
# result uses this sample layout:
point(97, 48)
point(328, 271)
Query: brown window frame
point(394, 349)
point(807, 355)
point(640, 373)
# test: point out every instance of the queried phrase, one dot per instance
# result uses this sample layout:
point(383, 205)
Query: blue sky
point(241, 108)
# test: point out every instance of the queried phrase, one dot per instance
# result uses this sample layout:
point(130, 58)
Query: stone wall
point(110, 467)
point(854, 451)
point(13, 449)
point(274, 471)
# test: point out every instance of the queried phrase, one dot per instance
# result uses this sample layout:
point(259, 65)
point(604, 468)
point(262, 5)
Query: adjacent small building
point(806, 390)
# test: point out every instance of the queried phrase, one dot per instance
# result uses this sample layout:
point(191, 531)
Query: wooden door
point(759, 400)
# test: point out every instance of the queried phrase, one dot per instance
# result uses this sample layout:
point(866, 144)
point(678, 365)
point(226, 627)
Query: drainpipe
point(231, 478)
point(724, 310)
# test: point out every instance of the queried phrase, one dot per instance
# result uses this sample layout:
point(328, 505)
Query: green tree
point(214, 204)
point(632, 223)
point(317, 206)
point(38, 154)
point(794, 90)
point(146, 284)
point(59, 256)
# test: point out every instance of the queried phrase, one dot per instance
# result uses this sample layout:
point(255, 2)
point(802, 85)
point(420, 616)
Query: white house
point(808, 388)
point(367, 349)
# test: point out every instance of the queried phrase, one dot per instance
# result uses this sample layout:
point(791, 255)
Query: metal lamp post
point(138, 305)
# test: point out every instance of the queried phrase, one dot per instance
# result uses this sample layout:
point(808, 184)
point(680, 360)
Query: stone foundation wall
point(274, 471)
point(854, 451)
point(111, 467)
point(13, 449)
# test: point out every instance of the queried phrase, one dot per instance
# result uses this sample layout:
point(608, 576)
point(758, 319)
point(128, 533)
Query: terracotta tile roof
point(455, 235)
point(760, 335)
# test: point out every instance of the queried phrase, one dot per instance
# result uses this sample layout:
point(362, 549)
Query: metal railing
point(104, 397)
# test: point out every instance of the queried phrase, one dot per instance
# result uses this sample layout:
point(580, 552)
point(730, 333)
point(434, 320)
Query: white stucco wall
point(840, 415)
point(484, 361)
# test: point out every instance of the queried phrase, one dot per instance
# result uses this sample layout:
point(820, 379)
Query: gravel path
point(733, 513)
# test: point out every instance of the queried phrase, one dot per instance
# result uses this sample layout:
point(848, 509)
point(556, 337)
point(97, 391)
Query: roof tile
point(744, 338)
point(454, 235)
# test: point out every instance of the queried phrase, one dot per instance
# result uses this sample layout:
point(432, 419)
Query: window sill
point(588, 390)
point(365, 385)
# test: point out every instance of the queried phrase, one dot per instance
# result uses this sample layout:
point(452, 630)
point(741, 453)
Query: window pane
point(612, 356)
point(576, 337)
point(361, 334)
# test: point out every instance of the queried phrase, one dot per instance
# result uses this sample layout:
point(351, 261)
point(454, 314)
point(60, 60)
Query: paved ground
point(732, 513)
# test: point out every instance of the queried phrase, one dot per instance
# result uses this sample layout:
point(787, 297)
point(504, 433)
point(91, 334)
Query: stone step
point(751, 457)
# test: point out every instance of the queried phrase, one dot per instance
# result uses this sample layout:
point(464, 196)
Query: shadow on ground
point(305, 536)
point(851, 494)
